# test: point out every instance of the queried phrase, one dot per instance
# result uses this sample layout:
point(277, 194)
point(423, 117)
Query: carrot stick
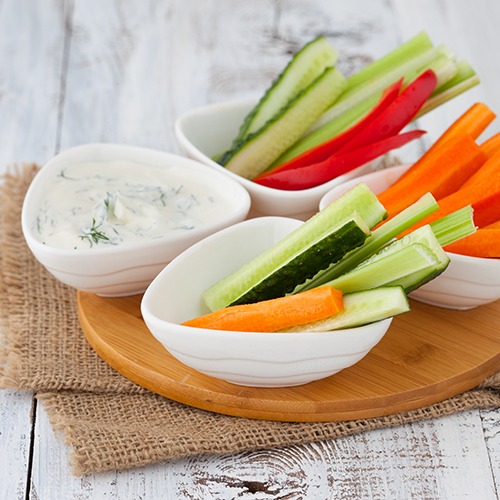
point(491, 145)
point(441, 172)
point(486, 208)
point(275, 314)
point(484, 198)
point(490, 168)
point(493, 225)
point(473, 122)
point(483, 243)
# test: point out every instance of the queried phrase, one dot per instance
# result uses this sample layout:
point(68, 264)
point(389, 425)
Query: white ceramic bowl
point(122, 270)
point(244, 358)
point(209, 130)
point(468, 282)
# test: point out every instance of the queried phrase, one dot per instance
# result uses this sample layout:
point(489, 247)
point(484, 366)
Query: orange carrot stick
point(486, 207)
point(493, 225)
point(473, 122)
point(491, 145)
point(275, 314)
point(490, 168)
point(483, 243)
point(441, 172)
point(484, 198)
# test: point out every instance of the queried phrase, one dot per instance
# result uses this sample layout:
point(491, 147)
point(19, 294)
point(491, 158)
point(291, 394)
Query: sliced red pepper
point(397, 115)
point(326, 149)
point(321, 172)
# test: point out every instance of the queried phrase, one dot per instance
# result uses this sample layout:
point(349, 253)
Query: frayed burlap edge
point(118, 440)
point(13, 185)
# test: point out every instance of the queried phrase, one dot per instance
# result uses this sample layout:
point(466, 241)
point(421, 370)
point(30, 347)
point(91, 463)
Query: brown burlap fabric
point(108, 421)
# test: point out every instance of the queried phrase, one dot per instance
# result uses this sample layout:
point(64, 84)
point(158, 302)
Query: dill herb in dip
point(94, 205)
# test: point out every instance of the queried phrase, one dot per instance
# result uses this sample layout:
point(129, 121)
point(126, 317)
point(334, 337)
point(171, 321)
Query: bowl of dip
point(106, 218)
point(467, 282)
point(205, 132)
point(245, 358)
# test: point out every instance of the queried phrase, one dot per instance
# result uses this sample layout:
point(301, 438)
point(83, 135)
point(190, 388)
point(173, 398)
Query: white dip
point(94, 205)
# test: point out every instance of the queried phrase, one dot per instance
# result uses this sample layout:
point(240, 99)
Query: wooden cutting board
point(428, 355)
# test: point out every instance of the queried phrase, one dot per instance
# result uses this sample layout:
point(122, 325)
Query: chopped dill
point(93, 235)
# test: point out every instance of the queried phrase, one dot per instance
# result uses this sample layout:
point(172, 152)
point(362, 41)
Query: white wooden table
point(121, 71)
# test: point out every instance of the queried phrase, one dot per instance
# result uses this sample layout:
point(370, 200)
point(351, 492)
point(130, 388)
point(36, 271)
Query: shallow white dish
point(245, 358)
point(468, 282)
point(122, 270)
point(204, 132)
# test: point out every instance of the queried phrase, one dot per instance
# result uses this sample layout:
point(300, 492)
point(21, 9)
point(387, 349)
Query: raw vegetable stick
point(326, 170)
point(486, 208)
point(493, 225)
point(326, 149)
point(483, 243)
point(275, 314)
point(491, 145)
point(473, 122)
point(490, 168)
point(484, 198)
point(441, 172)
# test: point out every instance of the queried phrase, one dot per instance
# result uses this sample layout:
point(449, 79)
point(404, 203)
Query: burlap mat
point(108, 421)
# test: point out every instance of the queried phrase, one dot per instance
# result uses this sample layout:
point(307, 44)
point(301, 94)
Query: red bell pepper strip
point(319, 173)
point(397, 115)
point(326, 149)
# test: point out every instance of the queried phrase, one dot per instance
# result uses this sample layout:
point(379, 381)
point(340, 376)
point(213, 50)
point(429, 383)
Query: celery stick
point(390, 268)
point(465, 79)
point(370, 87)
point(454, 226)
point(415, 278)
point(408, 50)
point(444, 68)
point(379, 237)
point(464, 72)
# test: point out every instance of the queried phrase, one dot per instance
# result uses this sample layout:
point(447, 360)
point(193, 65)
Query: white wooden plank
point(31, 52)
point(443, 458)
point(15, 430)
point(31, 48)
point(491, 424)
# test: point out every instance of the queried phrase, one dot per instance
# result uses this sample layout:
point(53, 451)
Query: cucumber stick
point(362, 308)
point(319, 254)
point(258, 150)
point(359, 199)
point(305, 66)
point(381, 236)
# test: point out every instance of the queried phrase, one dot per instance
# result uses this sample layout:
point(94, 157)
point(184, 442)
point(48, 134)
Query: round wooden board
point(428, 355)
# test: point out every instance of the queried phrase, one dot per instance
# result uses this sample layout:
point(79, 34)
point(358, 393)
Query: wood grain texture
point(15, 419)
point(427, 355)
point(87, 70)
point(31, 74)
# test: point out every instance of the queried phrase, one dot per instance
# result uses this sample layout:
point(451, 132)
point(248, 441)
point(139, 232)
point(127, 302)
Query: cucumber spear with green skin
point(253, 154)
